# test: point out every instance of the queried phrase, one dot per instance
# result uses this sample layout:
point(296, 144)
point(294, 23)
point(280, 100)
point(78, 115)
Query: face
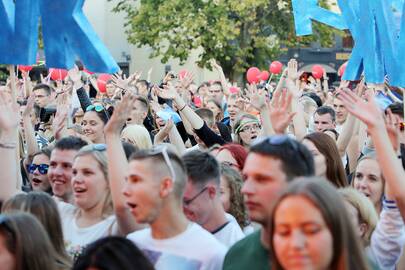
point(7, 259)
point(198, 202)
point(142, 89)
point(322, 122)
point(233, 108)
point(93, 127)
point(301, 237)
point(225, 191)
point(142, 191)
point(340, 109)
point(225, 156)
point(264, 180)
point(214, 108)
point(60, 172)
point(40, 182)
point(42, 99)
point(319, 158)
point(89, 184)
point(368, 181)
point(110, 89)
point(215, 92)
point(138, 113)
point(249, 132)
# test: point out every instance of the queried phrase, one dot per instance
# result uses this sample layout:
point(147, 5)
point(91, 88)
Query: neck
point(90, 216)
point(100, 140)
point(171, 221)
point(216, 219)
point(264, 237)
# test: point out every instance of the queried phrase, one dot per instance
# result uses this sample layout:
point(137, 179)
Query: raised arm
point(29, 133)
point(8, 143)
point(118, 164)
point(222, 77)
point(391, 167)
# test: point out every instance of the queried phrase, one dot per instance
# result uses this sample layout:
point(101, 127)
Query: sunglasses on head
point(42, 168)
point(162, 150)
point(99, 147)
point(97, 108)
point(280, 141)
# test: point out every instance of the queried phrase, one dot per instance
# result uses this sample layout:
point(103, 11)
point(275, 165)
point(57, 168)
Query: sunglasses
point(97, 108)
point(42, 168)
point(99, 147)
point(162, 150)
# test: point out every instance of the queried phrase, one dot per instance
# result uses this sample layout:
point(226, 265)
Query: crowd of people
point(290, 175)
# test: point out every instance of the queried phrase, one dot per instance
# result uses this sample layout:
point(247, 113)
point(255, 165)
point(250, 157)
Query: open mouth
point(79, 190)
point(253, 137)
point(36, 181)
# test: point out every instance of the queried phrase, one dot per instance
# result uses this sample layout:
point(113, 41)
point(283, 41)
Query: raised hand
point(257, 98)
point(30, 106)
point(279, 111)
point(292, 70)
point(9, 112)
point(169, 92)
point(367, 111)
point(187, 80)
point(122, 109)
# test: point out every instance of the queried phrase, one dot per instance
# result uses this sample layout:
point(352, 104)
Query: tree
point(237, 33)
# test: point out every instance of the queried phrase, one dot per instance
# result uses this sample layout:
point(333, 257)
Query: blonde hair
point(101, 157)
point(139, 135)
point(365, 209)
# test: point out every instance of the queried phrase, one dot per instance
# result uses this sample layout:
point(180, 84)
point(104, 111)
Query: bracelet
point(9, 145)
point(185, 105)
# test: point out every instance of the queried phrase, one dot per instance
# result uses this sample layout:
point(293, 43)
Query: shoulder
point(139, 236)
point(249, 240)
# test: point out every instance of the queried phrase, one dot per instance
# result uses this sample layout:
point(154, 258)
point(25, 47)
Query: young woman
point(368, 179)
point(328, 163)
point(137, 135)
point(246, 129)
point(310, 229)
point(92, 216)
point(38, 171)
point(44, 208)
point(216, 108)
point(231, 196)
point(24, 244)
point(232, 154)
point(93, 123)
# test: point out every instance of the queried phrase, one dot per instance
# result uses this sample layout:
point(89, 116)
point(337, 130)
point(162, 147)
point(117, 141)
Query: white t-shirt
point(194, 249)
point(76, 239)
point(230, 233)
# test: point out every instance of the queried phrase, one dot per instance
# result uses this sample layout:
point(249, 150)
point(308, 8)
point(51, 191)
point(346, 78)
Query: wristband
point(8, 145)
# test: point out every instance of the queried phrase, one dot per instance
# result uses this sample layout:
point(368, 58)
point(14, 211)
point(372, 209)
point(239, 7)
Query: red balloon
point(276, 67)
point(317, 71)
point(182, 74)
point(264, 76)
point(342, 69)
point(253, 75)
point(102, 81)
point(25, 68)
point(233, 89)
point(58, 74)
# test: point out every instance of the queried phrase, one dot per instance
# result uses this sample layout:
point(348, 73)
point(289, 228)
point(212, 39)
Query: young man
point(202, 198)
point(341, 113)
point(324, 118)
point(60, 167)
point(154, 194)
point(42, 93)
point(271, 164)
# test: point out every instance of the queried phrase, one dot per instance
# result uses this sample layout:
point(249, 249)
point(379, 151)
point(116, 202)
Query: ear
point(166, 187)
point(212, 191)
point(363, 228)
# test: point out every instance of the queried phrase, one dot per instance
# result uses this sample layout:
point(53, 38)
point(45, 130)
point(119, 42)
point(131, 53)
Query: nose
point(248, 187)
point(298, 240)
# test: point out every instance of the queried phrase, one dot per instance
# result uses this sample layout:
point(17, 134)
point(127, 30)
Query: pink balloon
point(317, 71)
point(102, 81)
point(264, 76)
point(253, 75)
point(182, 74)
point(58, 74)
point(233, 89)
point(276, 67)
point(342, 69)
point(88, 71)
point(25, 68)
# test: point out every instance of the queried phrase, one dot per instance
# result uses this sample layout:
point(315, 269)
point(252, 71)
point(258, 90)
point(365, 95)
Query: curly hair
point(237, 207)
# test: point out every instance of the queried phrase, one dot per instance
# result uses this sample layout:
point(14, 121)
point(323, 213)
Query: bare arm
point(29, 133)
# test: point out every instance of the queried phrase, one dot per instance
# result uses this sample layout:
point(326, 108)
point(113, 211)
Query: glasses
point(189, 201)
point(230, 164)
point(162, 150)
point(97, 108)
point(243, 127)
point(42, 168)
point(250, 128)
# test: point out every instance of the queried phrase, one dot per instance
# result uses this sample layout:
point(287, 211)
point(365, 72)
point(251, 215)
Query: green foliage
point(237, 33)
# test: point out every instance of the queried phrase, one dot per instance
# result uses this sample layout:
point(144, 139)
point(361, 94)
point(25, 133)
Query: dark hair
point(237, 151)
point(335, 171)
point(326, 110)
point(397, 108)
point(112, 253)
point(315, 97)
point(46, 151)
point(296, 159)
point(347, 252)
point(70, 143)
point(129, 149)
point(217, 83)
point(207, 115)
point(143, 82)
point(43, 86)
point(202, 167)
point(144, 102)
